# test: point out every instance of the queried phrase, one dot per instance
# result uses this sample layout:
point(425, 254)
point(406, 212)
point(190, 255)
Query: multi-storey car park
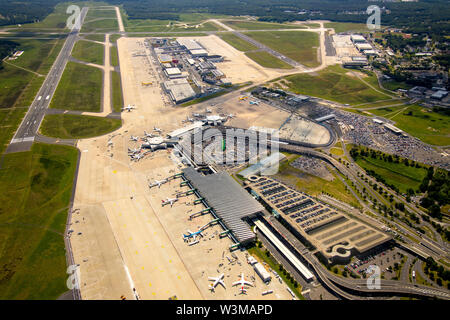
point(337, 236)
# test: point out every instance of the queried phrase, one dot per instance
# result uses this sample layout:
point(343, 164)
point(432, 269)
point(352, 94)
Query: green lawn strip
point(395, 85)
point(89, 52)
point(35, 191)
point(103, 25)
point(79, 89)
point(273, 264)
point(117, 98)
point(334, 84)
point(346, 27)
point(100, 13)
point(397, 174)
point(267, 60)
point(249, 25)
point(300, 46)
point(95, 37)
point(236, 42)
point(114, 56)
point(68, 126)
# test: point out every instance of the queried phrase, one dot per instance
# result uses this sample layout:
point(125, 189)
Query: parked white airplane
point(157, 183)
point(149, 135)
point(216, 280)
point(137, 157)
point(110, 143)
point(243, 282)
point(157, 129)
point(134, 151)
point(129, 108)
point(169, 200)
point(188, 120)
point(134, 138)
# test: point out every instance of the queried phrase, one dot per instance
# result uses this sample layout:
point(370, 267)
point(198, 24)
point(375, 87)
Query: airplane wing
point(236, 283)
point(247, 283)
point(222, 283)
point(212, 279)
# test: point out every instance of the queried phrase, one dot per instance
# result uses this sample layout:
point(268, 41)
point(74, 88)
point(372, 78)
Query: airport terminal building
point(228, 201)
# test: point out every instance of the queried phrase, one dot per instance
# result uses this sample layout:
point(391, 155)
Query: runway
point(26, 133)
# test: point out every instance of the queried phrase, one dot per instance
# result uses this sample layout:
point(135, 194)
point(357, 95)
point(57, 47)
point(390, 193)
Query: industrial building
point(262, 272)
point(355, 62)
point(336, 236)
point(179, 90)
point(227, 200)
point(173, 73)
point(439, 95)
point(356, 38)
point(363, 46)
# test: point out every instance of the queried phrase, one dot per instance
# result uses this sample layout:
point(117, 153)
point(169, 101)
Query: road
point(26, 133)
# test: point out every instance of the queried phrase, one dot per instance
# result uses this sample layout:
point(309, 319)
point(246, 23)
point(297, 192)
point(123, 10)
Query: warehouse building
point(363, 46)
point(179, 90)
point(173, 73)
point(357, 38)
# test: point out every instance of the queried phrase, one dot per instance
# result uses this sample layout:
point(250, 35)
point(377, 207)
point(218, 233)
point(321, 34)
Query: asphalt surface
point(26, 133)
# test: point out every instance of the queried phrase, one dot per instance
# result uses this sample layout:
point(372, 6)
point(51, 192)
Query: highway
point(26, 133)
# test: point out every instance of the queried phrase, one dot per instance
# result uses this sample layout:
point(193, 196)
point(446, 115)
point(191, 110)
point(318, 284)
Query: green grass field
point(300, 46)
point(346, 27)
point(36, 52)
point(95, 37)
point(166, 25)
point(257, 25)
point(394, 85)
point(35, 192)
point(89, 52)
point(114, 56)
point(314, 185)
point(96, 13)
point(397, 174)
point(267, 60)
point(102, 25)
point(68, 126)
point(80, 89)
point(117, 99)
point(430, 127)
point(334, 84)
point(236, 42)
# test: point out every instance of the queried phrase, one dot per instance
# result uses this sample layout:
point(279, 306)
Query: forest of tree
point(6, 48)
